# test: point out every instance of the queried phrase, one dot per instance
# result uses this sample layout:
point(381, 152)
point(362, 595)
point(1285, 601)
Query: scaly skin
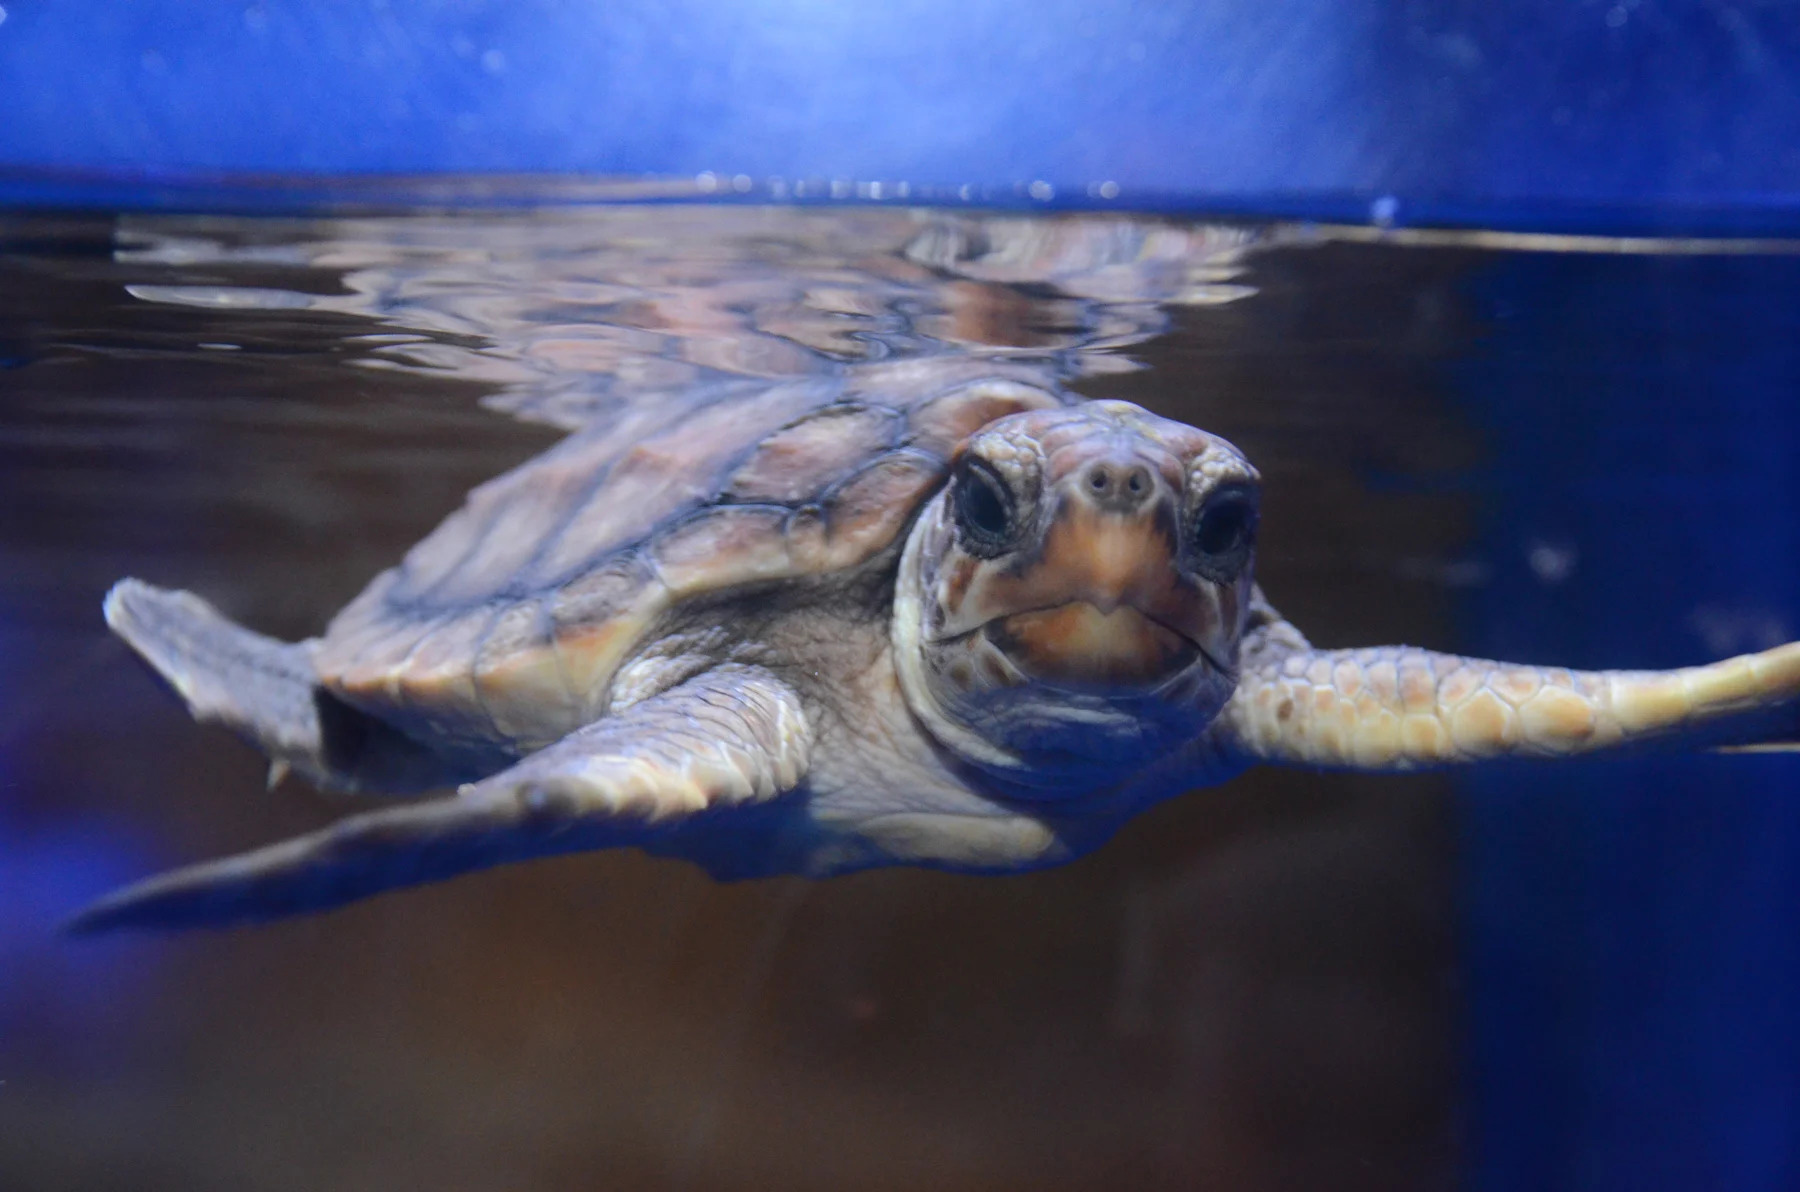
point(1400, 708)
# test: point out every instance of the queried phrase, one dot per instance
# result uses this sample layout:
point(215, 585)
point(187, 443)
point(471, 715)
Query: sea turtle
point(943, 614)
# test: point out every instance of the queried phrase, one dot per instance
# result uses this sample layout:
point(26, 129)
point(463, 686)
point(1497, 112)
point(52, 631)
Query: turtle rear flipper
point(266, 691)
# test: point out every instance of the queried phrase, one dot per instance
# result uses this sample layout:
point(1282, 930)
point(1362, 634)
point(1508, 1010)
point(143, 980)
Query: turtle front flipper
point(1400, 708)
point(732, 736)
point(266, 691)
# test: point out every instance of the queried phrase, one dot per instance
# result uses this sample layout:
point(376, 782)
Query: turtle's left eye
point(1225, 534)
point(984, 517)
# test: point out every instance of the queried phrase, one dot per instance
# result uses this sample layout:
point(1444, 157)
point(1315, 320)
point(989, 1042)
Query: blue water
point(1633, 972)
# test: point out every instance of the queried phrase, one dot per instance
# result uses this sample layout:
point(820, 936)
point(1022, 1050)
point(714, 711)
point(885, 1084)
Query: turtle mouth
point(1080, 643)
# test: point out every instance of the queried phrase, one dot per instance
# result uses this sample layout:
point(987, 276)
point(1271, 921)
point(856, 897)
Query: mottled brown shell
point(510, 619)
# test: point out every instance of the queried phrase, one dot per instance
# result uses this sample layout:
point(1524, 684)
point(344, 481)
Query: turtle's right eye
point(1225, 536)
point(984, 516)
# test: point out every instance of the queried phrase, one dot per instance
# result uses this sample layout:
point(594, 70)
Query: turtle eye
point(983, 510)
point(1225, 534)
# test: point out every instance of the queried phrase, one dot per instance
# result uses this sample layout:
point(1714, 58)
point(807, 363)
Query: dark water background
point(1579, 975)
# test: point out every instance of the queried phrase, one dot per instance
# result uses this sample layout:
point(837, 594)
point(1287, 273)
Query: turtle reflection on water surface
point(933, 612)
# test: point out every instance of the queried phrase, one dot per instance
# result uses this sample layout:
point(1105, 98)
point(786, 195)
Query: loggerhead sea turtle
point(948, 616)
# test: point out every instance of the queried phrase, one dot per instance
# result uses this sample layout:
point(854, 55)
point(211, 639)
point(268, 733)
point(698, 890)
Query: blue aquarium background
point(1623, 469)
point(1633, 972)
point(1668, 115)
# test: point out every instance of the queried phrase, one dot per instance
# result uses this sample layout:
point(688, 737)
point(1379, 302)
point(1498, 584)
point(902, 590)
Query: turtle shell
point(508, 622)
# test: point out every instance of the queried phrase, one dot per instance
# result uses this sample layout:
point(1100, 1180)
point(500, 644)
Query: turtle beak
point(1081, 645)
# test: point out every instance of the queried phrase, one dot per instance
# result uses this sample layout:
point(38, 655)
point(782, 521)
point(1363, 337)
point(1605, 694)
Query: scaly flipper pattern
point(732, 736)
point(1400, 708)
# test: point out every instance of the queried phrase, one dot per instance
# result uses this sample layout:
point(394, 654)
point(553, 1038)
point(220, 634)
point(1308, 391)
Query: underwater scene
point(1573, 451)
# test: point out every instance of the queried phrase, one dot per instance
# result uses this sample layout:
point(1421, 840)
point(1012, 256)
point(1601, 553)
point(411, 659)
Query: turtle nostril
point(1119, 486)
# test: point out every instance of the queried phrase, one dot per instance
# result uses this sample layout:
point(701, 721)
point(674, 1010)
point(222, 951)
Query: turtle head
point(1070, 604)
